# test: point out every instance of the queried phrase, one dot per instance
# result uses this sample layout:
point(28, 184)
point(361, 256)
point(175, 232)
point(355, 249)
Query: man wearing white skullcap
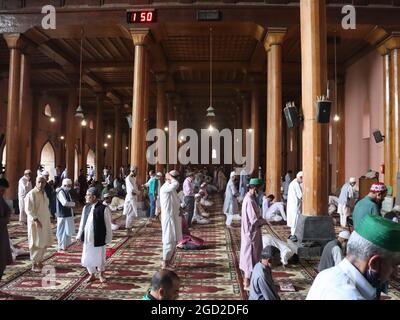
point(171, 222)
point(130, 205)
point(65, 215)
point(24, 186)
point(294, 203)
point(334, 251)
point(231, 205)
point(346, 201)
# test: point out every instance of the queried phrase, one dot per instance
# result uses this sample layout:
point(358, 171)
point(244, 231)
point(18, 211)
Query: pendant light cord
point(336, 108)
point(210, 67)
point(80, 70)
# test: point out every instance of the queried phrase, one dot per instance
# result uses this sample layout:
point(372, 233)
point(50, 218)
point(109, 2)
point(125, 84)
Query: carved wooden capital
point(275, 36)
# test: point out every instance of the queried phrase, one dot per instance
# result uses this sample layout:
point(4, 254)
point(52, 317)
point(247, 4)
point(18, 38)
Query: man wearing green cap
point(373, 254)
point(251, 236)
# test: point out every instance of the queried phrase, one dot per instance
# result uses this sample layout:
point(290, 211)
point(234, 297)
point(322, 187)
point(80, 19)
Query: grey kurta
point(262, 285)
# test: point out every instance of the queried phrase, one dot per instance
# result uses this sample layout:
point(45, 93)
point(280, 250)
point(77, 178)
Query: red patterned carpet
point(212, 273)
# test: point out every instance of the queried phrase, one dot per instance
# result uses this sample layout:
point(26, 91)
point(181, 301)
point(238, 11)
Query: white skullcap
point(133, 168)
point(27, 171)
point(66, 182)
point(159, 174)
point(203, 184)
point(352, 180)
point(45, 173)
point(396, 208)
point(233, 173)
point(197, 195)
point(344, 234)
point(299, 174)
point(174, 173)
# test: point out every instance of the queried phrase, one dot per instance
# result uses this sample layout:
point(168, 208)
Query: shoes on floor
point(293, 238)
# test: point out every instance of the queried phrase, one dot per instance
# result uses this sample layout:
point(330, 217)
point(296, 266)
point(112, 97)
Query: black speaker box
point(2, 136)
point(378, 136)
point(323, 111)
point(292, 117)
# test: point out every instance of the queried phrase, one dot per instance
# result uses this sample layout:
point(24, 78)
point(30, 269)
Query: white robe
point(24, 186)
point(270, 210)
point(294, 202)
point(286, 186)
point(37, 206)
point(94, 257)
point(171, 222)
point(130, 204)
point(231, 206)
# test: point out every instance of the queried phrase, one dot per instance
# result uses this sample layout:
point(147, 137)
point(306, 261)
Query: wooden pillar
point(314, 84)
point(12, 130)
point(117, 140)
point(138, 104)
point(83, 159)
point(144, 166)
point(99, 155)
point(171, 117)
point(340, 135)
point(273, 45)
point(70, 134)
point(246, 123)
point(255, 126)
point(161, 117)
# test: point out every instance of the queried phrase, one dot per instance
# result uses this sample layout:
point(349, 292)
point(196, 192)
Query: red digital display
point(141, 16)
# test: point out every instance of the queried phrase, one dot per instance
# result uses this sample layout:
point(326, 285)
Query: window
point(47, 111)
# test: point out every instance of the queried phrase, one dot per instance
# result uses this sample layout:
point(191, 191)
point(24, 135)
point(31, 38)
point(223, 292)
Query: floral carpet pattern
point(212, 273)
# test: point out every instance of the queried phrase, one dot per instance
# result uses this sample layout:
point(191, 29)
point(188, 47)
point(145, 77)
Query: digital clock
point(141, 16)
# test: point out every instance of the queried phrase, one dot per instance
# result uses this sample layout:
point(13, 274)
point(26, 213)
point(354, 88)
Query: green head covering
point(380, 231)
point(255, 182)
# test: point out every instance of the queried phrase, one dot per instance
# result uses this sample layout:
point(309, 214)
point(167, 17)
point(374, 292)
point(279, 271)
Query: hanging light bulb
point(106, 145)
point(52, 119)
point(62, 138)
point(210, 128)
point(84, 122)
point(79, 109)
point(109, 136)
point(336, 118)
point(166, 129)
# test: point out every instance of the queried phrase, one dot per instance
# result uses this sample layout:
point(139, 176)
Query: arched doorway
point(90, 160)
point(48, 159)
point(3, 157)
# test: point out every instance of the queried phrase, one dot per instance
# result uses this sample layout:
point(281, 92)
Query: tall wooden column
point(70, 134)
point(255, 125)
point(171, 117)
point(161, 117)
point(25, 114)
point(12, 130)
point(246, 121)
point(117, 140)
point(144, 165)
point(314, 84)
point(99, 155)
point(140, 38)
point(340, 135)
point(273, 45)
point(392, 110)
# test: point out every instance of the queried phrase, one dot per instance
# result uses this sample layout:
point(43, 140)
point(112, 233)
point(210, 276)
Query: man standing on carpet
point(130, 205)
point(188, 191)
point(231, 206)
point(50, 194)
point(5, 250)
point(171, 223)
point(65, 215)
point(95, 232)
point(294, 204)
point(373, 256)
point(40, 236)
point(24, 186)
point(251, 236)
point(346, 201)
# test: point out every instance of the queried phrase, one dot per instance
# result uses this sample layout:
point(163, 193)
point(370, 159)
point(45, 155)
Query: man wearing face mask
point(373, 255)
point(65, 215)
point(371, 204)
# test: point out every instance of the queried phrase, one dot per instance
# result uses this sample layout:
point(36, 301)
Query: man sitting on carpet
point(164, 286)
point(262, 286)
point(273, 211)
point(108, 203)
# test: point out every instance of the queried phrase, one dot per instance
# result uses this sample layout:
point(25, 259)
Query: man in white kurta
point(346, 201)
point(65, 215)
point(286, 182)
point(24, 186)
point(231, 206)
point(294, 203)
point(130, 205)
point(271, 210)
point(40, 236)
point(171, 221)
point(94, 255)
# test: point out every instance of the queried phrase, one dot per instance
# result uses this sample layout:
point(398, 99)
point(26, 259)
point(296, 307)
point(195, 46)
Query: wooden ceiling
point(238, 54)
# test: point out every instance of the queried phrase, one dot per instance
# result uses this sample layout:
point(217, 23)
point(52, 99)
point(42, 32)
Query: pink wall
point(364, 113)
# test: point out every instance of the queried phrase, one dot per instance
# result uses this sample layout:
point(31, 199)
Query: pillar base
point(141, 209)
point(313, 233)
